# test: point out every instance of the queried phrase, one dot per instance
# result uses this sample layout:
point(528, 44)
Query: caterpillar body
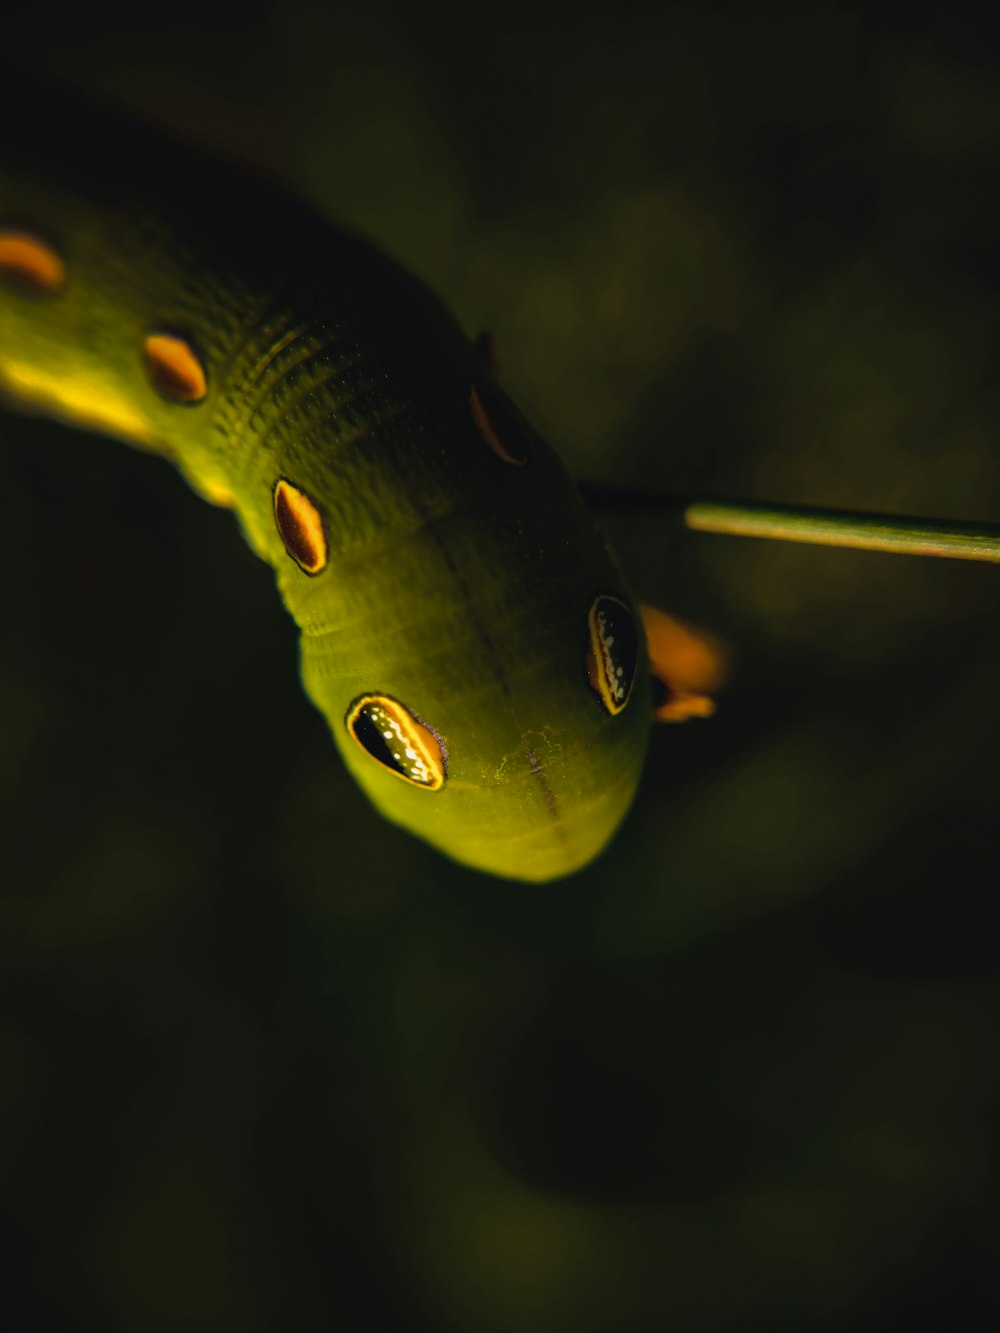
point(464, 630)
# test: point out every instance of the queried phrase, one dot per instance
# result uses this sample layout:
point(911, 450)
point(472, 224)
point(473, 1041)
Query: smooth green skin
point(457, 583)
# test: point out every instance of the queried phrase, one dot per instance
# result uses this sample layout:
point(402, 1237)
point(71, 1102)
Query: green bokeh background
point(267, 1063)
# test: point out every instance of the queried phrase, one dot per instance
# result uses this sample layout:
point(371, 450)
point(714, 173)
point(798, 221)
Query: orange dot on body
point(300, 526)
point(30, 263)
point(174, 369)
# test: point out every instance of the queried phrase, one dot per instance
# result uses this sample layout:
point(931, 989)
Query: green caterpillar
point(464, 630)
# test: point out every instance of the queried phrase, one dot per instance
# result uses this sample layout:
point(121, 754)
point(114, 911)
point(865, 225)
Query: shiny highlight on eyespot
point(612, 653)
point(398, 740)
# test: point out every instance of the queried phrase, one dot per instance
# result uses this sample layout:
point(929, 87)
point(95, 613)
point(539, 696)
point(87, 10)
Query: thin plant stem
point(799, 523)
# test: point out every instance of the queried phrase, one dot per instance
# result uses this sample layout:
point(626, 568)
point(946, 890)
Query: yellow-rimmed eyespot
point(28, 262)
point(174, 369)
point(300, 527)
point(612, 654)
point(398, 740)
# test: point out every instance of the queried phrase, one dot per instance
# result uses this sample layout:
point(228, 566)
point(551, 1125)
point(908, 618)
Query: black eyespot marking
point(300, 527)
point(499, 426)
point(397, 739)
point(612, 654)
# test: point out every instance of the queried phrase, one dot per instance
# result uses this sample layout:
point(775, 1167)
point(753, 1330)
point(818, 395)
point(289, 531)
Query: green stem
point(797, 523)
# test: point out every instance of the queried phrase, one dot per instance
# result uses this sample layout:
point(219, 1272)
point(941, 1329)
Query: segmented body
point(446, 579)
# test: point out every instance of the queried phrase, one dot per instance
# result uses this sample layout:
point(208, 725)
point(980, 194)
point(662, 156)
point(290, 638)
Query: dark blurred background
point(267, 1063)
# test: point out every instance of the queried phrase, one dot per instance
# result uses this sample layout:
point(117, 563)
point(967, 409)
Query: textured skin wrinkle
point(247, 393)
point(249, 400)
point(291, 387)
point(454, 583)
point(341, 414)
point(265, 330)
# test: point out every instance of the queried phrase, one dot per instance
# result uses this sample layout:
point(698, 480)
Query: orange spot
point(690, 663)
point(174, 369)
point(488, 431)
point(300, 526)
point(30, 263)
